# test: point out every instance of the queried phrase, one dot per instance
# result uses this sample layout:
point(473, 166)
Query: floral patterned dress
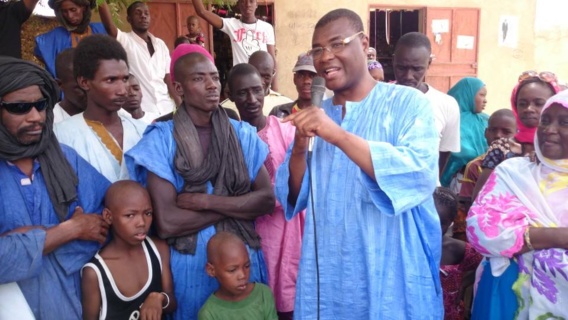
point(517, 195)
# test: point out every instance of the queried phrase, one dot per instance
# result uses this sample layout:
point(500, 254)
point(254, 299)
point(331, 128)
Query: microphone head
point(317, 91)
point(318, 84)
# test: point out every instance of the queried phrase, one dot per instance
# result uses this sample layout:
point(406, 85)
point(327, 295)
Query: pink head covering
point(184, 49)
point(526, 134)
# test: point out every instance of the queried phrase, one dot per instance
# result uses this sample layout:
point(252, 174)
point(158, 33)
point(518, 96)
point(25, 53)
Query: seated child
point(237, 299)
point(458, 257)
point(194, 31)
point(130, 277)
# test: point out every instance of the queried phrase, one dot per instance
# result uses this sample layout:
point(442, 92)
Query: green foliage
point(116, 6)
point(221, 3)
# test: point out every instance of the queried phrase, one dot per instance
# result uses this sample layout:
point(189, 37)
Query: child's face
point(500, 127)
point(131, 218)
point(232, 270)
point(193, 26)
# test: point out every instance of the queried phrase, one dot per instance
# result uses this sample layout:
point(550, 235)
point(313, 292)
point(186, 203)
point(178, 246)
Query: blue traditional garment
point(50, 44)
point(50, 283)
point(379, 242)
point(472, 128)
point(155, 153)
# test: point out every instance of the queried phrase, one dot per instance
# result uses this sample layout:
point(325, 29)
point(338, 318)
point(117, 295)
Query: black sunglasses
point(24, 107)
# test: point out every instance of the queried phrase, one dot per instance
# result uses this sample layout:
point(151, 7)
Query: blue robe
point(155, 153)
point(379, 243)
point(50, 44)
point(50, 283)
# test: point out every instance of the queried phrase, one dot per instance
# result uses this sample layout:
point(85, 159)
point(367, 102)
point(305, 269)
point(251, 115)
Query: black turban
point(60, 178)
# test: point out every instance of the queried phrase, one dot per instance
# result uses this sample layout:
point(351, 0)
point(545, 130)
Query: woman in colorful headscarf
point(528, 98)
point(470, 94)
point(75, 19)
point(521, 215)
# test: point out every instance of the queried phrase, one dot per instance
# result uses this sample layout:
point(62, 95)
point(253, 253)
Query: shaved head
point(222, 242)
point(502, 113)
point(264, 63)
point(260, 58)
point(501, 124)
point(183, 64)
point(124, 189)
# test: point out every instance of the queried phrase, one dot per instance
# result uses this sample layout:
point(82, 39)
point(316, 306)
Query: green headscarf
point(472, 127)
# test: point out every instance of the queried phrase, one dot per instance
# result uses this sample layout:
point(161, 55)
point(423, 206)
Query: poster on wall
point(509, 31)
point(440, 26)
point(465, 42)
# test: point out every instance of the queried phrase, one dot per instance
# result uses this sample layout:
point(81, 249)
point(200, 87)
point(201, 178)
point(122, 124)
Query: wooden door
point(454, 34)
point(168, 21)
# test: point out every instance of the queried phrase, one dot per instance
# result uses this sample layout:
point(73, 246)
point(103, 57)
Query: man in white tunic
point(412, 58)
point(148, 57)
point(100, 135)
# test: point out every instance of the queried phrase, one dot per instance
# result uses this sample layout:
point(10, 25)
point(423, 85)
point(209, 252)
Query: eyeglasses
point(545, 76)
point(333, 48)
point(24, 107)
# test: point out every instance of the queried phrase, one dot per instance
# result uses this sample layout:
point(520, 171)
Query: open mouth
point(140, 236)
point(331, 71)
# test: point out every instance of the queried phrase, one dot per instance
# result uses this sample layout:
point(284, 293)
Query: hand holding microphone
point(313, 121)
point(317, 92)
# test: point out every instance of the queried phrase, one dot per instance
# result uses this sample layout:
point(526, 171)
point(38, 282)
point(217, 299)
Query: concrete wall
point(499, 67)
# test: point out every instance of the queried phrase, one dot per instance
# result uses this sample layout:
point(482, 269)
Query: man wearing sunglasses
point(45, 236)
point(367, 189)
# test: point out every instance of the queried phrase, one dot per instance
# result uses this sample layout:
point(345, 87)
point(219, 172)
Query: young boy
point(130, 277)
point(501, 124)
point(228, 262)
point(194, 35)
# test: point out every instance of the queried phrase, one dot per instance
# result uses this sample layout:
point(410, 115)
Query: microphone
point(317, 92)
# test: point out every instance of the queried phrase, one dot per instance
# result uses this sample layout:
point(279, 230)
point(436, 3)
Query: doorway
point(387, 25)
point(453, 34)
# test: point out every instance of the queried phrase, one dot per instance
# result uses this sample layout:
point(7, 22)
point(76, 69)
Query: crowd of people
point(131, 191)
